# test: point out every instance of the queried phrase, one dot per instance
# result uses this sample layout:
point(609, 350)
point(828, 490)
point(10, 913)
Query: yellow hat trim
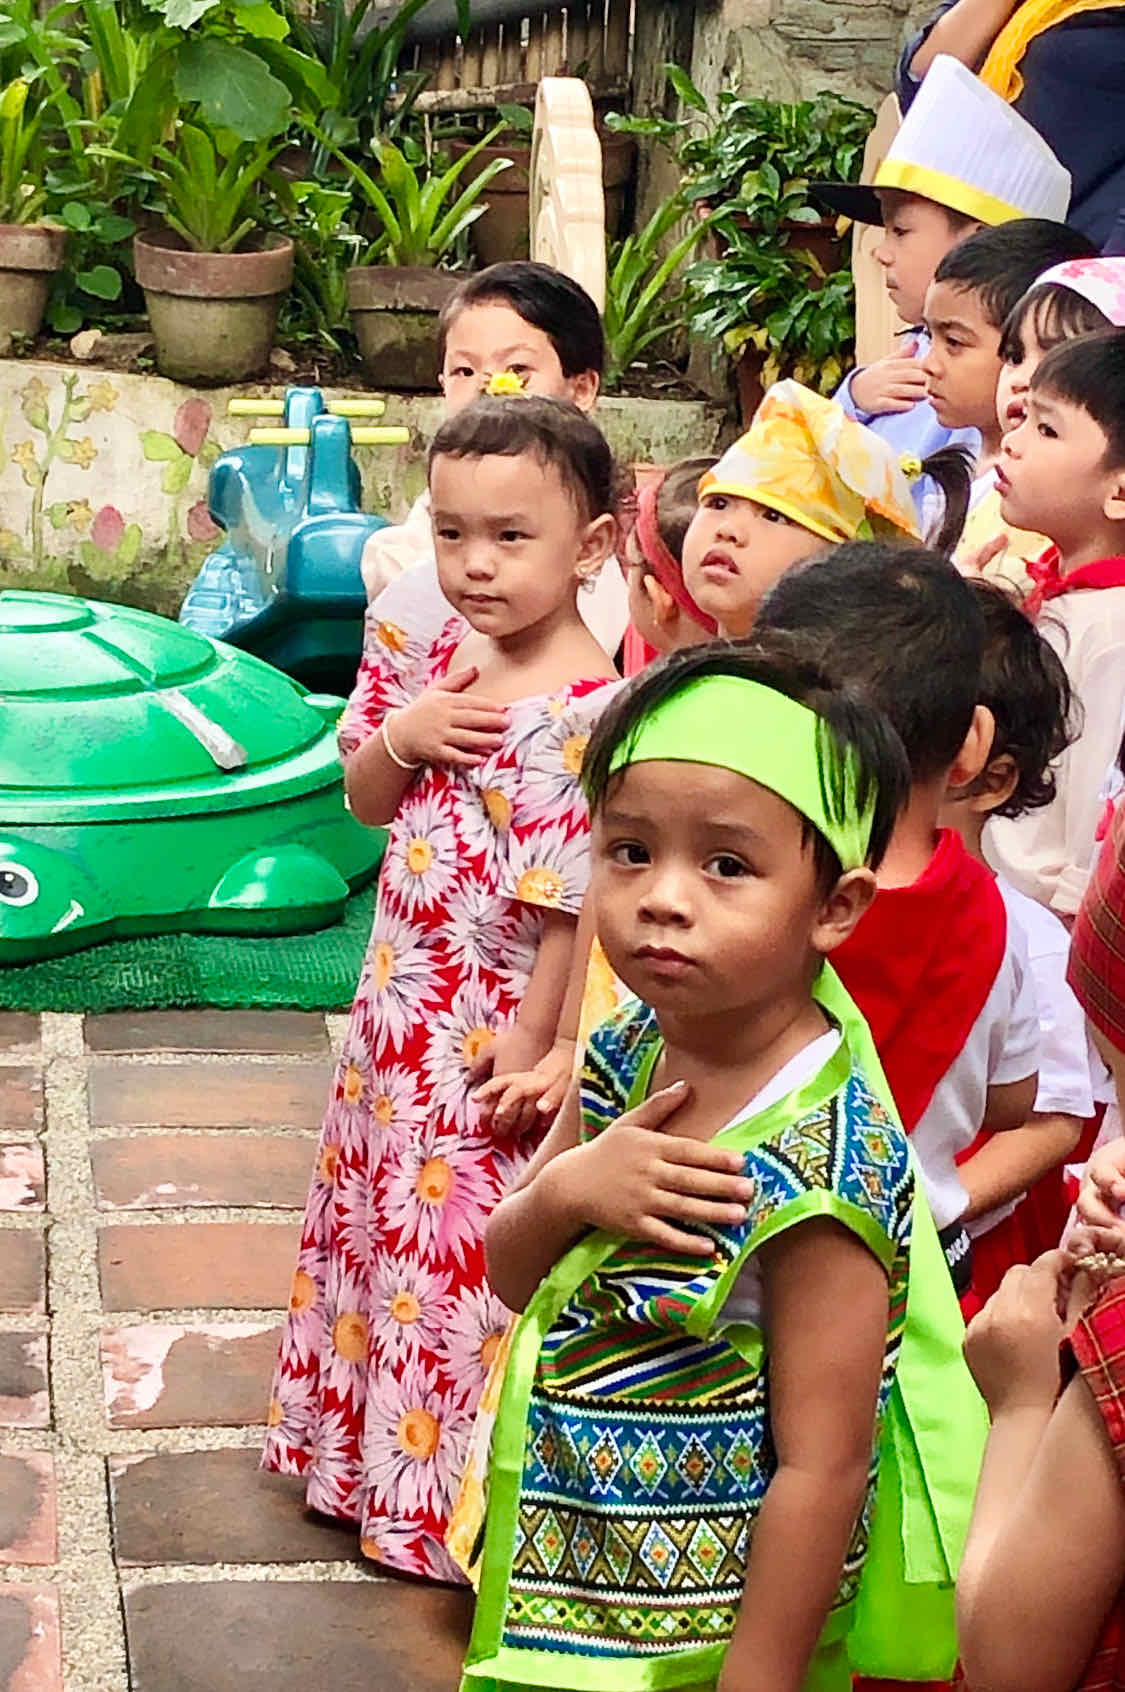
point(945, 190)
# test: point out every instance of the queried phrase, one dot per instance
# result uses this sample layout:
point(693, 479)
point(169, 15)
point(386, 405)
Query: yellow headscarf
point(999, 70)
point(803, 456)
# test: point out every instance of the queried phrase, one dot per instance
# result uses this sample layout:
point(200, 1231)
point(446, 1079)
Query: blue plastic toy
point(285, 583)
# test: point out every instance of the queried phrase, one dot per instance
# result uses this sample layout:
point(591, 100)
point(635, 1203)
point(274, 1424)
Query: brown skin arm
point(824, 1384)
point(966, 32)
point(1012, 1162)
point(1009, 1106)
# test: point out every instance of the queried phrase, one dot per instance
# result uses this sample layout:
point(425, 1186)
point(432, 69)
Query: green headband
point(737, 724)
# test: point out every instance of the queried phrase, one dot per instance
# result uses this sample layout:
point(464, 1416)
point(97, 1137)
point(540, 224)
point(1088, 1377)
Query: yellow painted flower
point(102, 396)
point(303, 1294)
point(476, 1041)
point(84, 452)
point(405, 1307)
point(573, 752)
point(33, 393)
point(499, 808)
point(353, 1084)
point(384, 964)
point(349, 1336)
point(391, 636)
point(383, 1109)
point(435, 1181)
point(9, 541)
point(505, 382)
point(274, 1414)
point(79, 515)
point(541, 886)
point(23, 453)
point(327, 1164)
point(419, 856)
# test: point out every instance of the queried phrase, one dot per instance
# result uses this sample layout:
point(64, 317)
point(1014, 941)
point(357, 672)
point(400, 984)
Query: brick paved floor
point(152, 1172)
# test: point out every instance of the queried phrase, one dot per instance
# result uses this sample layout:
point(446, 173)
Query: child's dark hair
point(890, 199)
point(677, 501)
point(1055, 313)
point(1024, 684)
point(543, 297)
point(951, 469)
point(901, 625)
point(850, 725)
point(1090, 373)
point(1001, 263)
point(551, 430)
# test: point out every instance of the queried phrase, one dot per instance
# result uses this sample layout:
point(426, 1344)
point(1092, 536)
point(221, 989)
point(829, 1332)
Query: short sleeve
point(402, 627)
point(547, 840)
point(1098, 1347)
point(1014, 1049)
point(907, 85)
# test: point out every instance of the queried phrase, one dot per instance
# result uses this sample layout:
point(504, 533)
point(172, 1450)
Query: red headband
point(663, 564)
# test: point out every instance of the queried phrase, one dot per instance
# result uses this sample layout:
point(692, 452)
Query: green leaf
point(517, 118)
point(102, 281)
point(58, 514)
point(234, 89)
point(76, 215)
point(181, 14)
point(177, 476)
point(64, 319)
point(685, 88)
point(260, 20)
point(129, 546)
point(111, 228)
point(160, 448)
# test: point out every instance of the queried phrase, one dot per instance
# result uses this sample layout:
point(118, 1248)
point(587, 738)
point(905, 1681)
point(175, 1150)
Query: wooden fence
point(504, 62)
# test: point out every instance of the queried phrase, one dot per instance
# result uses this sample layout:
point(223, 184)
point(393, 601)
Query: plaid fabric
point(1098, 1347)
point(1097, 946)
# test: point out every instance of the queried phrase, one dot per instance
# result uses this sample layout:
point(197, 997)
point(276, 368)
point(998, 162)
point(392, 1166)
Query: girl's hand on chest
point(449, 724)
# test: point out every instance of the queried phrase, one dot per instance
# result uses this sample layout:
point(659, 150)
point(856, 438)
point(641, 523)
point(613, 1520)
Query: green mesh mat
point(162, 971)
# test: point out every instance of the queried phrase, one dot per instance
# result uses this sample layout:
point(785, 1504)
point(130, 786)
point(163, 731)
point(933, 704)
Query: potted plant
point(645, 299)
point(777, 291)
point(212, 281)
point(420, 214)
point(30, 251)
point(503, 231)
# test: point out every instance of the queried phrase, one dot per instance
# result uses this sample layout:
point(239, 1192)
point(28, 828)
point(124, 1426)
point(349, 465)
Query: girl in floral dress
point(467, 739)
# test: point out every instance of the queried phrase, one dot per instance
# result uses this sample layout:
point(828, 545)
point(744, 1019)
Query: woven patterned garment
point(633, 1448)
point(1098, 1345)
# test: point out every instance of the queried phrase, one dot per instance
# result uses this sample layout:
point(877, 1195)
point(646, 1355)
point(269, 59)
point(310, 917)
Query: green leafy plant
point(751, 163)
point(206, 186)
point(645, 299)
point(420, 221)
point(22, 194)
point(326, 246)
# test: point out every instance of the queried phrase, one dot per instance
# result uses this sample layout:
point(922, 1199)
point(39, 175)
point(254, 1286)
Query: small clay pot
point(394, 315)
point(30, 253)
point(503, 232)
point(213, 315)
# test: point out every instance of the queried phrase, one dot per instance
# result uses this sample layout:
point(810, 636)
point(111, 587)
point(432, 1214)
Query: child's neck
point(548, 655)
point(1106, 540)
point(971, 829)
point(990, 439)
point(915, 836)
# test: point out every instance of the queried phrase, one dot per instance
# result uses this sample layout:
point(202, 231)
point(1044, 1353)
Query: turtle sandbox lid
point(108, 713)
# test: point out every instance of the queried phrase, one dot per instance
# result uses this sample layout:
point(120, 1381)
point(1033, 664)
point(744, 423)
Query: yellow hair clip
point(910, 466)
point(505, 382)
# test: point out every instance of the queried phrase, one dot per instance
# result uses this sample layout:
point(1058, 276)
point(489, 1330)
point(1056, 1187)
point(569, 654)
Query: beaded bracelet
point(389, 749)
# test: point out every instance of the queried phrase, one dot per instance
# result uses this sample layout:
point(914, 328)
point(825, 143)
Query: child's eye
point(446, 532)
point(628, 852)
point(898, 231)
point(772, 516)
point(1046, 430)
point(726, 866)
point(512, 535)
point(714, 502)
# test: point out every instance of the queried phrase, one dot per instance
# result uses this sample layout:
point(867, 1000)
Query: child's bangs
point(1053, 315)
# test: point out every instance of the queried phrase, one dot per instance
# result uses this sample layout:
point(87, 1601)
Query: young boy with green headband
point(686, 1457)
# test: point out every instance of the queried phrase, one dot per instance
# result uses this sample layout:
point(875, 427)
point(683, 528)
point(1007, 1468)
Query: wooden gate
point(505, 62)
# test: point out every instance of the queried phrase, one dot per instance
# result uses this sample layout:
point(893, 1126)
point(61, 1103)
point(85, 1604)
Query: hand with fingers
point(637, 1180)
point(1101, 1197)
point(894, 383)
point(447, 724)
point(974, 563)
point(1012, 1346)
point(516, 1100)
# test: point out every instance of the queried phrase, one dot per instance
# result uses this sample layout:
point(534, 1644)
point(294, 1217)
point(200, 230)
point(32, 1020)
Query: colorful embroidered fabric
point(643, 1452)
point(392, 1324)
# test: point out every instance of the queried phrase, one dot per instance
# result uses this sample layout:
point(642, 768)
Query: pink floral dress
point(392, 1324)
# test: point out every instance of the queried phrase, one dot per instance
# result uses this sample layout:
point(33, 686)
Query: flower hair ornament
point(505, 384)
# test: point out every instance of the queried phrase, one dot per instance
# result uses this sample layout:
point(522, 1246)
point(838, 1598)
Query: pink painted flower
point(107, 528)
point(199, 524)
point(192, 421)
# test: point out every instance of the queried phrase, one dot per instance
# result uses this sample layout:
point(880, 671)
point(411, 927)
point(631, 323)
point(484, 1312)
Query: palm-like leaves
point(204, 198)
point(22, 195)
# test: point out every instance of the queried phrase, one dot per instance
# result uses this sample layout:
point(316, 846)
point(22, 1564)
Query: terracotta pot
point(29, 255)
point(503, 231)
point(394, 315)
point(213, 315)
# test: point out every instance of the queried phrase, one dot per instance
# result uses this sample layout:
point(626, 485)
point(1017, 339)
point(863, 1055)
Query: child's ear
point(664, 607)
point(842, 908)
point(1114, 503)
point(973, 756)
point(598, 541)
point(584, 389)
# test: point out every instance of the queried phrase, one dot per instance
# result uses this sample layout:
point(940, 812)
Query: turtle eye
point(17, 885)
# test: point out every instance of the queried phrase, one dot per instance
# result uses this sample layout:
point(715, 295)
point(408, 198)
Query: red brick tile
point(197, 1265)
point(208, 1095)
point(165, 1375)
point(154, 1171)
point(216, 1507)
point(23, 1270)
point(22, 1178)
point(24, 1393)
point(28, 1531)
point(30, 1645)
point(208, 1031)
point(21, 1100)
point(381, 1636)
point(18, 1028)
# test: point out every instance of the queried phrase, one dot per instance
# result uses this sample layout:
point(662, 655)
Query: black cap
point(851, 199)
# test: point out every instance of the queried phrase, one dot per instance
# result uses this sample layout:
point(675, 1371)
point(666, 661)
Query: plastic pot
point(503, 231)
point(30, 253)
point(394, 315)
point(213, 315)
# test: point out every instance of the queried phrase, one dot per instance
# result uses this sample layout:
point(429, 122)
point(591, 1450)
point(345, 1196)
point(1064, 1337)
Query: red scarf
point(1050, 582)
point(920, 966)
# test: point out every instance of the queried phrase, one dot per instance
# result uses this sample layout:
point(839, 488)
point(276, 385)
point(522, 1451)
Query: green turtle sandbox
point(152, 779)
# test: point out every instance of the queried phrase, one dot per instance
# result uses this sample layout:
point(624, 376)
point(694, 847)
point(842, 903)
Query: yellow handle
point(384, 436)
point(276, 407)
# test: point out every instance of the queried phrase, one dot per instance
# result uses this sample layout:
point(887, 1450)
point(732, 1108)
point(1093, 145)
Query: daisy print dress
point(392, 1324)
